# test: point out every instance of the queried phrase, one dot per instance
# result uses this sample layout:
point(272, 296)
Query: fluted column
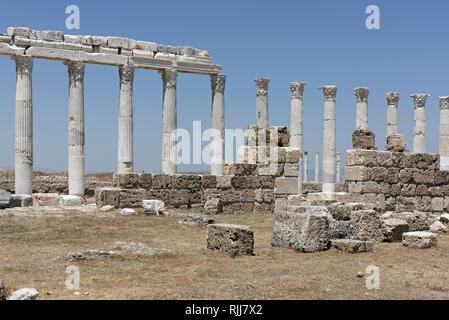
point(306, 166)
point(218, 83)
point(392, 113)
point(338, 167)
point(24, 126)
point(76, 127)
point(262, 102)
point(317, 167)
point(169, 121)
point(361, 108)
point(419, 133)
point(444, 133)
point(296, 115)
point(329, 138)
point(125, 122)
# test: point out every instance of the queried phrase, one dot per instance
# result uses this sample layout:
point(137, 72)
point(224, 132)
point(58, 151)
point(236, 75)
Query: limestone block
point(363, 139)
point(367, 158)
point(184, 181)
point(231, 195)
point(294, 200)
point(20, 200)
point(53, 53)
point(438, 204)
point(393, 229)
point(238, 208)
point(379, 173)
point(107, 196)
point(5, 197)
point(126, 52)
point(70, 201)
point(165, 56)
point(126, 180)
point(264, 195)
point(147, 46)
point(125, 43)
point(50, 35)
point(24, 294)
point(195, 219)
point(247, 195)
point(239, 169)
point(153, 206)
point(103, 58)
point(5, 38)
point(160, 194)
point(286, 185)
point(266, 182)
point(213, 206)
point(6, 49)
point(367, 225)
point(357, 173)
point(179, 197)
point(271, 169)
point(127, 212)
point(142, 53)
point(99, 41)
point(292, 155)
point(145, 180)
point(396, 143)
point(352, 246)
point(437, 226)
point(132, 198)
point(107, 208)
point(417, 221)
point(224, 182)
point(46, 199)
point(241, 182)
point(264, 208)
point(162, 181)
point(341, 230)
point(444, 218)
point(385, 159)
point(209, 181)
point(291, 169)
point(303, 232)
point(342, 211)
point(21, 32)
point(232, 239)
point(419, 239)
point(404, 203)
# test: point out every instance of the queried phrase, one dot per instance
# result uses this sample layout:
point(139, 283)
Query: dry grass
point(33, 251)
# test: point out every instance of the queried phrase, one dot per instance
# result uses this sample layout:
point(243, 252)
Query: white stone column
point(306, 166)
point(218, 83)
point(24, 126)
point(125, 122)
point(329, 138)
point(392, 113)
point(361, 108)
point(317, 167)
point(76, 127)
point(419, 132)
point(338, 167)
point(169, 121)
point(262, 102)
point(296, 115)
point(444, 133)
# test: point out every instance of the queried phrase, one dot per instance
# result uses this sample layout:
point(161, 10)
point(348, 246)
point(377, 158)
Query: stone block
point(341, 230)
point(286, 185)
point(393, 229)
point(264, 195)
point(127, 212)
point(238, 208)
point(342, 211)
point(266, 182)
point(417, 221)
point(396, 143)
point(162, 181)
point(107, 196)
point(366, 158)
point(352, 246)
point(247, 195)
point(232, 239)
point(271, 169)
point(379, 173)
point(224, 182)
point(241, 182)
point(145, 180)
point(404, 203)
point(209, 181)
point(292, 155)
point(213, 206)
point(50, 35)
point(126, 180)
point(187, 218)
point(357, 173)
point(438, 204)
point(419, 239)
point(231, 195)
point(5, 198)
point(179, 197)
point(185, 181)
point(291, 170)
point(264, 208)
point(20, 200)
point(438, 226)
point(363, 139)
point(46, 199)
point(385, 159)
point(70, 201)
point(160, 194)
point(367, 225)
point(153, 206)
point(239, 169)
point(132, 198)
point(303, 232)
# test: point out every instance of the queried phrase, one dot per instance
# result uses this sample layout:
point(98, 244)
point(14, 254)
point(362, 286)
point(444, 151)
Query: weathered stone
point(357, 173)
point(153, 206)
point(184, 181)
point(126, 180)
point(179, 197)
point(232, 239)
point(195, 219)
point(132, 198)
point(239, 169)
point(209, 181)
point(419, 239)
point(367, 225)
point(438, 204)
point(444, 218)
point(238, 208)
point(127, 211)
point(224, 182)
point(352, 246)
point(396, 143)
point(145, 180)
point(46, 199)
point(213, 206)
point(107, 196)
point(70, 201)
point(20, 200)
point(367, 158)
point(341, 230)
point(75, 256)
point(342, 211)
point(102, 253)
point(2, 291)
point(241, 182)
point(141, 249)
point(5, 197)
point(107, 208)
point(393, 229)
point(284, 185)
point(417, 221)
point(162, 181)
point(363, 139)
point(24, 294)
point(437, 226)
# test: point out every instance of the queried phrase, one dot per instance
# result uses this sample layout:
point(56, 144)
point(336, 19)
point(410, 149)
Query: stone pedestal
point(76, 128)
point(419, 133)
point(218, 83)
point(329, 138)
point(262, 102)
point(296, 115)
point(444, 133)
point(392, 113)
point(24, 126)
point(125, 124)
point(169, 121)
point(362, 108)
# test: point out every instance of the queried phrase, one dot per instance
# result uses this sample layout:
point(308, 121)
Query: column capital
point(444, 102)
point(361, 94)
point(393, 98)
point(24, 64)
point(126, 73)
point(169, 77)
point(218, 82)
point(330, 92)
point(76, 71)
point(262, 86)
point(420, 99)
point(297, 89)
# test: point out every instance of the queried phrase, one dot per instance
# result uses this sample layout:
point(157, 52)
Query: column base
point(328, 187)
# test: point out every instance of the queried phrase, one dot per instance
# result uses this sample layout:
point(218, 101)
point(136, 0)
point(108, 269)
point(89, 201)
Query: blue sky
point(319, 42)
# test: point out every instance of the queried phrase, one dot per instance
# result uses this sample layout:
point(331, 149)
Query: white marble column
point(262, 102)
point(76, 127)
point(169, 122)
point(306, 166)
point(317, 167)
point(24, 126)
point(419, 132)
point(444, 133)
point(218, 83)
point(361, 108)
point(338, 167)
point(392, 113)
point(125, 122)
point(329, 138)
point(296, 115)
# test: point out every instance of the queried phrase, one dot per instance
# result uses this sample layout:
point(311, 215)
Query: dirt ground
point(33, 254)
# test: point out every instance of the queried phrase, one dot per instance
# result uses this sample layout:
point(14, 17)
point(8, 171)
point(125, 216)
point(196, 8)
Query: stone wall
point(398, 181)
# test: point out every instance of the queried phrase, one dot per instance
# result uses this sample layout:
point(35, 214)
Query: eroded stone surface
point(419, 239)
point(352, 246)
point(232, 239)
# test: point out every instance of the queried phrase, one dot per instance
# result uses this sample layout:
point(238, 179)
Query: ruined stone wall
point(398, 181)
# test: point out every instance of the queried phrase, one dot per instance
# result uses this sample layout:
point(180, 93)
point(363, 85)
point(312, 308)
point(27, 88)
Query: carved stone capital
point(297, 89)
point(24, 65)
point(444, 102)
point(361, 94)
point(393, 98)
point(262, 86)
point(330, 92)
point(126, 73)
point(420, 100)
point(169, 77)
point(218, 82)
point(76, 72)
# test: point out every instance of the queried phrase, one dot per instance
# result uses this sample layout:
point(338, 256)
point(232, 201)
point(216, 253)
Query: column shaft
point(24, 126)
point(125, 123)
point(392, 113)
point(361, 108)
point(296, 115)
point(218, 124)
point(444, 133)
point(419, 132)
point(169, 122)
point(329, 138)
point(262, 102)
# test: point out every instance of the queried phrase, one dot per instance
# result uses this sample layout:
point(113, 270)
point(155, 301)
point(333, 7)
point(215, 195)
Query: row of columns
point(317, 166)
